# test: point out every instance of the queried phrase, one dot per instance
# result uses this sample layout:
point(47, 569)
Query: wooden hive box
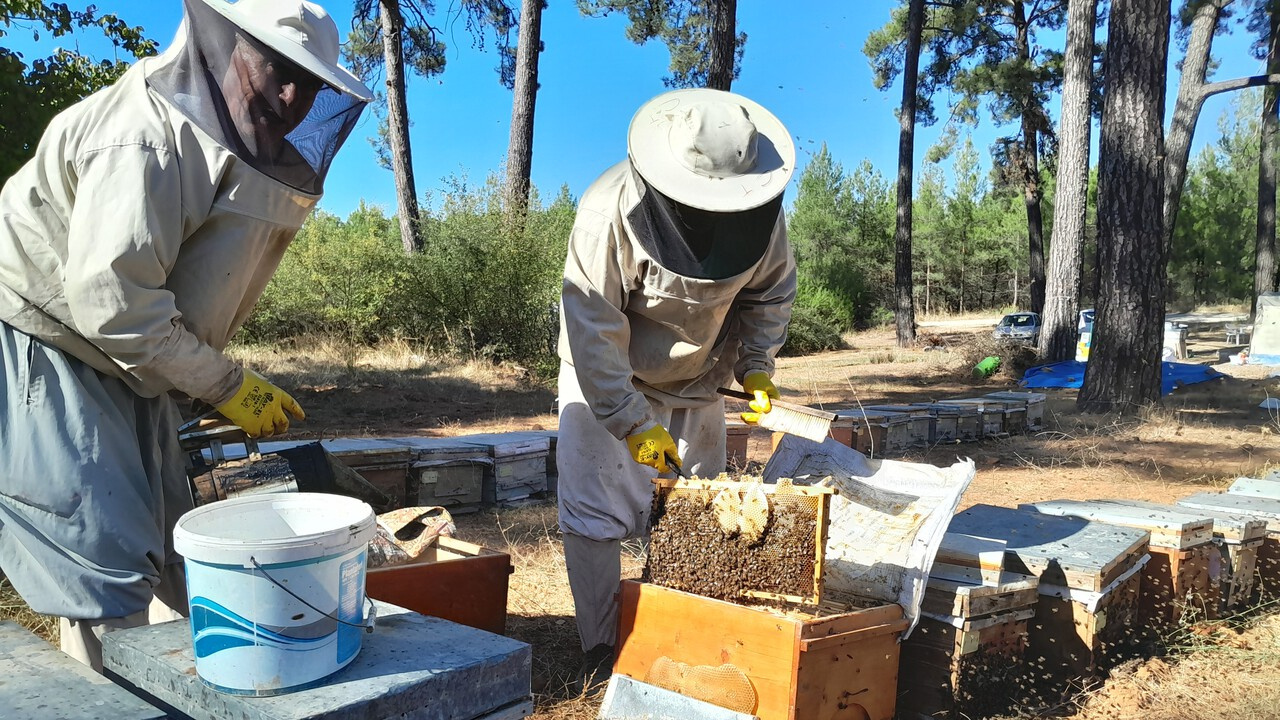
point(453, 580)
point(553, 468)
point(965, 657)
point(384, 462)
point(877, 433)
point(447, 472)
point(920, 424)
point(1238, 539)
point(1263, 508)
point(992, 413)
point(736, 435)
point(1090, 576)
point(955, 423)
point(800, 667)
point(1033, 401)
point(1015, 413)
point(519, 467)
point(1182, 575)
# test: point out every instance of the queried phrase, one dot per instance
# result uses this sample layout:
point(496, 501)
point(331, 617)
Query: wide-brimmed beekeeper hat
point(300, 31)
point(711, 149)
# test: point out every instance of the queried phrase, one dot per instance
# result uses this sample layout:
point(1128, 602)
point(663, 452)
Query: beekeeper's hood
point(262, 78)
point(713, 165)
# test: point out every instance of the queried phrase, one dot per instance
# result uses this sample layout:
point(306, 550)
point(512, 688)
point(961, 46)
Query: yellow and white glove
point(758, 383)
point(259, 407)
point(652, 447)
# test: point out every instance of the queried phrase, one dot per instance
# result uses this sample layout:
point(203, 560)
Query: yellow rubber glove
point(259, 407)
point(651, 447)
point(758, 383)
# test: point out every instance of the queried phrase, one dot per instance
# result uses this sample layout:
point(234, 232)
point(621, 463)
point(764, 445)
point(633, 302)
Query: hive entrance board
point(689, 551)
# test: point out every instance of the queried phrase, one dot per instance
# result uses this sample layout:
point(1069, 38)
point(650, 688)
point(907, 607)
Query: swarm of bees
point(736, 540)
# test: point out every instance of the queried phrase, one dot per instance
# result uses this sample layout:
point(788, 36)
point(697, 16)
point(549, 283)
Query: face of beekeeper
point(267, 97)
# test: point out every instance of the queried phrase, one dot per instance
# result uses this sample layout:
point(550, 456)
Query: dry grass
point(14, 608)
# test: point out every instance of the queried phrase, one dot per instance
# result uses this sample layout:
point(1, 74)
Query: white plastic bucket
point(276, 584)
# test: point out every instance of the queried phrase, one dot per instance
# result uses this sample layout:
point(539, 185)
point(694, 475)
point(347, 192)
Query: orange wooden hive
point(453, 580)
point(801, 667)
point(736, 435)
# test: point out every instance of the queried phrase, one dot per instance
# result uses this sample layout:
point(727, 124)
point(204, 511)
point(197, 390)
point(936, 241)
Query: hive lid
point(1232, 527)
point(1061, 551)
point(513, 443)
point(1260, 507)
point(1168, 528)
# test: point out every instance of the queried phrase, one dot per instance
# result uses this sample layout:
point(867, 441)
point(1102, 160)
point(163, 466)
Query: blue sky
point(803, 61)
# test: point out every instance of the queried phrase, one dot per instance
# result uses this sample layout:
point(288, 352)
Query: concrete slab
point(39, 682)
point(411, 667)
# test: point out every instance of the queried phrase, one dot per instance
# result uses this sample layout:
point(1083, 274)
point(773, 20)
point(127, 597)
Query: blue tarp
point(1070, 374)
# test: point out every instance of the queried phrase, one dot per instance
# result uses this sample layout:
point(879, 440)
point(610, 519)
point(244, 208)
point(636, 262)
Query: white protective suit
point(642, 344)
point(132, 247)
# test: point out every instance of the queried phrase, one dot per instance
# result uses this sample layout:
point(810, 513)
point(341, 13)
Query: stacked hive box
point(448, 472)
point(519, 468)
point(920, 424)
point(965, 657)
point(1181, 576)
point(877, 433)
point(1033, 401)
point(553, 470)
point(1238, 539)
point(1263, 508)
point(1090, 575)
point(1015, 413)
point(736, 435)
point(383, 462)
point(991, 412)
point(955, 423)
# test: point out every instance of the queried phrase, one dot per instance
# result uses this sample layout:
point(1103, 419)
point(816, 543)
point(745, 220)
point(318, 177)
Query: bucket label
point(350, 606)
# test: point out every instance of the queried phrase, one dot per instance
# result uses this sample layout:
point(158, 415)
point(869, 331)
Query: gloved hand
point(259, 407)
point(651, 447)
point(758, 383)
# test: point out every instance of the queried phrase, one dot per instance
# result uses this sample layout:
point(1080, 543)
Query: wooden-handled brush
point(790, 418)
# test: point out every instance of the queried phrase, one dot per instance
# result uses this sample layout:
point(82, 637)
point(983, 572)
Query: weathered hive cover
point(1171, 528)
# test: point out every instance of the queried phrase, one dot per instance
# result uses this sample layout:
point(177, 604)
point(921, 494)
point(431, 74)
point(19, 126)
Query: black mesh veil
point(212, 75)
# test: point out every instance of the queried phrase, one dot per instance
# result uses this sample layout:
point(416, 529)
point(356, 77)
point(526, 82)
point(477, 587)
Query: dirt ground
point(1202, 437)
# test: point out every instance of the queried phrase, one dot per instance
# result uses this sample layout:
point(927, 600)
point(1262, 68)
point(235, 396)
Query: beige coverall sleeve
point(764, 306)
point(124, 237)
point(596, 329)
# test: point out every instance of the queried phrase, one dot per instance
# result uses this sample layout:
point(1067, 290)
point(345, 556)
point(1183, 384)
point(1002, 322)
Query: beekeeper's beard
point(262, 109)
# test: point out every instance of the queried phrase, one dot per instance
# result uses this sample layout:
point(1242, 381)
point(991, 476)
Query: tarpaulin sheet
point(887, 517)
point(1070, 374)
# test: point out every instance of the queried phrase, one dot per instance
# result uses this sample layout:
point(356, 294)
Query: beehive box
point(689, 551)
point(384, 462)
point(1182, 575)
point(796, 666)
point(1238, 539)
point(1089, 574)
point(1033, 401)
point(1264, 508)
point(965, 657)
point(991, 412)
point(919, 423)
point(553, 469)
point(519, 467)
point(447, 472)
point(955, 423)
point(877, 433)
point(736, 435)
point(454, 580)
point(1015, 413)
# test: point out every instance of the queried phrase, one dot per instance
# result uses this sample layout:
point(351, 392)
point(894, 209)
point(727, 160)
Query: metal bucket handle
point(371, 617)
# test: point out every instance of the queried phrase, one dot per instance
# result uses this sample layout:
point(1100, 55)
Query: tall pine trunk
point(905, 312)
point(1123, 372)
point(722, 45)
point(524, 98)
point(1264, 273)
point(398, 124)
point(1031, 171)
point(1191, 96)
point(1066, 251)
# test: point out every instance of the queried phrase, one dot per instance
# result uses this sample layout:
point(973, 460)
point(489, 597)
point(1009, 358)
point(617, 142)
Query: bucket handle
point(371, 617)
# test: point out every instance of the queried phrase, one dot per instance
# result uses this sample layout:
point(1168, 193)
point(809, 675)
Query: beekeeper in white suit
point(679, 280)
point(132, 246)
